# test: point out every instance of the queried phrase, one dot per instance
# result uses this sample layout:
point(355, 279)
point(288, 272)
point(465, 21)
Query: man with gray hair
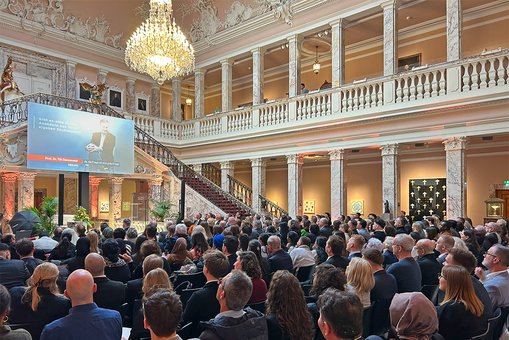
point(406, 271)
point(496, 259)
point(278, 258)
point(233, 321)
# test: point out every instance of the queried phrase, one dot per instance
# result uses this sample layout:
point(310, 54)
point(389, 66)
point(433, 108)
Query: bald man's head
point(95, 264)
point(425, 246)
point(80, 287)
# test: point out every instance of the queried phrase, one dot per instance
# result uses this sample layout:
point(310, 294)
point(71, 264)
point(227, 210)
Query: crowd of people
point(235, 277)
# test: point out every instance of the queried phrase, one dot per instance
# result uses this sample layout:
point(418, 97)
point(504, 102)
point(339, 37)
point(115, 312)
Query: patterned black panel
point(427, 197)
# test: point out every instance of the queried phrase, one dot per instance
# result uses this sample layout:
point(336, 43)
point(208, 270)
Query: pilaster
point(199, 93)
point(70, 75)
point(102, 78)
point(130, 95)
point(94, 183)
point(338, 52)
point(176, 95)
point(258, 68)
point(226, 85)
point(390, 177)
point(115, 199)
point(26, 188)
point(155, 100)
point(455, 169)
point(295, 163)
point(454, 19)
point(227, 169)
point(337, 178)
point(293, 66)
point(390, 12)
point(9, 181)
point(258, 171)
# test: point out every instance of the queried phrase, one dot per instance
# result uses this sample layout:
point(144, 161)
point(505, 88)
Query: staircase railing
point(16, 111)
point(241, 191)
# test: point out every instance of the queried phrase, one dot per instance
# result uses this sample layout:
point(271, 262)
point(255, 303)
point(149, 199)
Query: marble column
point(390, 178)
point(227, 168)
point(258, 68)
point(115, 199)
point(94, 183)
point(456, 178)
point(176, 94)
point(338, 52)
point(258, 170)
point(293, 66)
point(226, 85)
point(199, 93)
point(295, 163)
point(9, 181)
point(154, 190)
point(198, 168)
point(130, 95)
point(390, 11)
point(26, 181)
point(70, 75)
point(155, 100)
point(337, 183)
point(454, 19)
point(102, 76)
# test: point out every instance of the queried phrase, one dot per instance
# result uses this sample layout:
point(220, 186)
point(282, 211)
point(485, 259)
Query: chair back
point(186, 331)
point(304, 273)
point(185, 295)
point(492, 322)
point(184, 285)
point(498, 327)
point(380, 317)
point(259, 306)
point(431, 292)
point(197, 280)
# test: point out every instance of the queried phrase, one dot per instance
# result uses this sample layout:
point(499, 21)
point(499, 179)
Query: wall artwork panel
point(427, 197)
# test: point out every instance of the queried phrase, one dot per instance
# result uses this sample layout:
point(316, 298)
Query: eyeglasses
point(490, 254)
point(440, 276)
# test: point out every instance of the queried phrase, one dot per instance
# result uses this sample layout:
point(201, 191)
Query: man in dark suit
point(230, 247)
point(406, 270)
point(385, 284)
point(25, 249)
point(430, 268)
point(444, 244)
point(13, 273)
point(354, 246)
point(325, 229)
point(278, 258)
point(333, 248)
point(203, 305)
point(109, 294)
point(102, 144)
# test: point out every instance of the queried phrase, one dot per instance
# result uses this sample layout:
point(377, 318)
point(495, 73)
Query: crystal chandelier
point(158, 47)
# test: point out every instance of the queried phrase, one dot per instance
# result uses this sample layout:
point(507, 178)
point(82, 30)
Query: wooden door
point(504, 194)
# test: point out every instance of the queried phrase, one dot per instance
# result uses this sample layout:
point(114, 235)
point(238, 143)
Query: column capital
point(258, 162)
point(389, 149)
point(131, 80)
point(295, 159)
point(101, 72)
point(455, 143)
point(10, 177)
point(338, 154)
point(27, 176)
point(199, 70)
point(116, 180)
point(389, 4)
point(156, 86)
point(71, 63)
point(226, 61)
point(94, 181)
point(227, 165)
point(258, 49)
point(156, 180)
point(338, 23)
point(294, 38)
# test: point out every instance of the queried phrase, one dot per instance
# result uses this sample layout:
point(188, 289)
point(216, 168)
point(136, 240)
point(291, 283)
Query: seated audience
point(116, 267)
point(65, 249)
point(180, 232)
point(385, 284)
point(354, 246)
point(85, 319)
point(256, 248)
point(230, 247)
point(13, 273)
point(413, 316)
point(468, 236)
point(389, 257)
point(93, 237)
point(46, 243)
point(334, 249)
point(25, 249)
point(6, 333)
point(360, 281)
point(41, 302)
point(301, 255)
point(278, 258)
point(199, 244)
point(203, 305)
point(287, 315)
point(233, 321)
point(149, 248)
point(460, 315)
point(109, 294)
point(319, 251)
point(378, 227)
point(180, 256)
point(444, 244)
point(430, 267)
point(78, 261)
point(496, 260)
point(406, 270)
point(248, 263)
point(162, 311)
point(340, 315)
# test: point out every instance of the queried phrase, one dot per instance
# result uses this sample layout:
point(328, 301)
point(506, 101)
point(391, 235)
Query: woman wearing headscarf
point(413, 316)
point(116, 268)
point(180, 256)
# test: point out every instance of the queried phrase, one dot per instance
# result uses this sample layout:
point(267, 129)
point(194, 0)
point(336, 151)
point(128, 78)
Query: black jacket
point(31, 263)
point(133, 291)
point(13, 273)
point(280, 260)
point(202, 305)
point(110, 294)
point(251, 326)
point(385, 286)
point(338, 261)
point(430, 268)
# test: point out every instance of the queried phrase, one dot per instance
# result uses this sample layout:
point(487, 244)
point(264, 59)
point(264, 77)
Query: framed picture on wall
point(408, 62)
point(81, 92)
point(115, 97)
point(142, 102)
point(104, 207)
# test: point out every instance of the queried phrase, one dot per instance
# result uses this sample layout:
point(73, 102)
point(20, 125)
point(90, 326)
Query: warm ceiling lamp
point(189, 101)
point(316, 64)
point(158, 47)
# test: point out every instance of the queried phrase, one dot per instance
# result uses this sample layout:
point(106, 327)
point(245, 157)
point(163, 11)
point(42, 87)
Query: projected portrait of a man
point(102, 144)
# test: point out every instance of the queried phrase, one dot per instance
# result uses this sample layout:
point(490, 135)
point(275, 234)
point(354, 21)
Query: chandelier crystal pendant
point(158, 47)
point(316, 65)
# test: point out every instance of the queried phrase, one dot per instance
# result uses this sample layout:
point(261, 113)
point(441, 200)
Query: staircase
point(241, 191)
point(15, 112)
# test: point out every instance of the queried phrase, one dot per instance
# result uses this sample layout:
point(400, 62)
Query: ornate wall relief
point(13, 148)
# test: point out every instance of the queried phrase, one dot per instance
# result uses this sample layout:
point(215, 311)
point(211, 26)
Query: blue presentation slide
point(71, 140)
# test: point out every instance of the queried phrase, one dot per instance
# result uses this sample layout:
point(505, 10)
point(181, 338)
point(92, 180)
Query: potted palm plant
point(46, 212)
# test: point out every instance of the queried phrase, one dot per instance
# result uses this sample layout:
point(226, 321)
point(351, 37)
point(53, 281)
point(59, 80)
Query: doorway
point(504, 194)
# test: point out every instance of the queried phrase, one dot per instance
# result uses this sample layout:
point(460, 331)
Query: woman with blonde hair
point(40, 302)
point(94, 241)
point(460, 315)
point(360, 280)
